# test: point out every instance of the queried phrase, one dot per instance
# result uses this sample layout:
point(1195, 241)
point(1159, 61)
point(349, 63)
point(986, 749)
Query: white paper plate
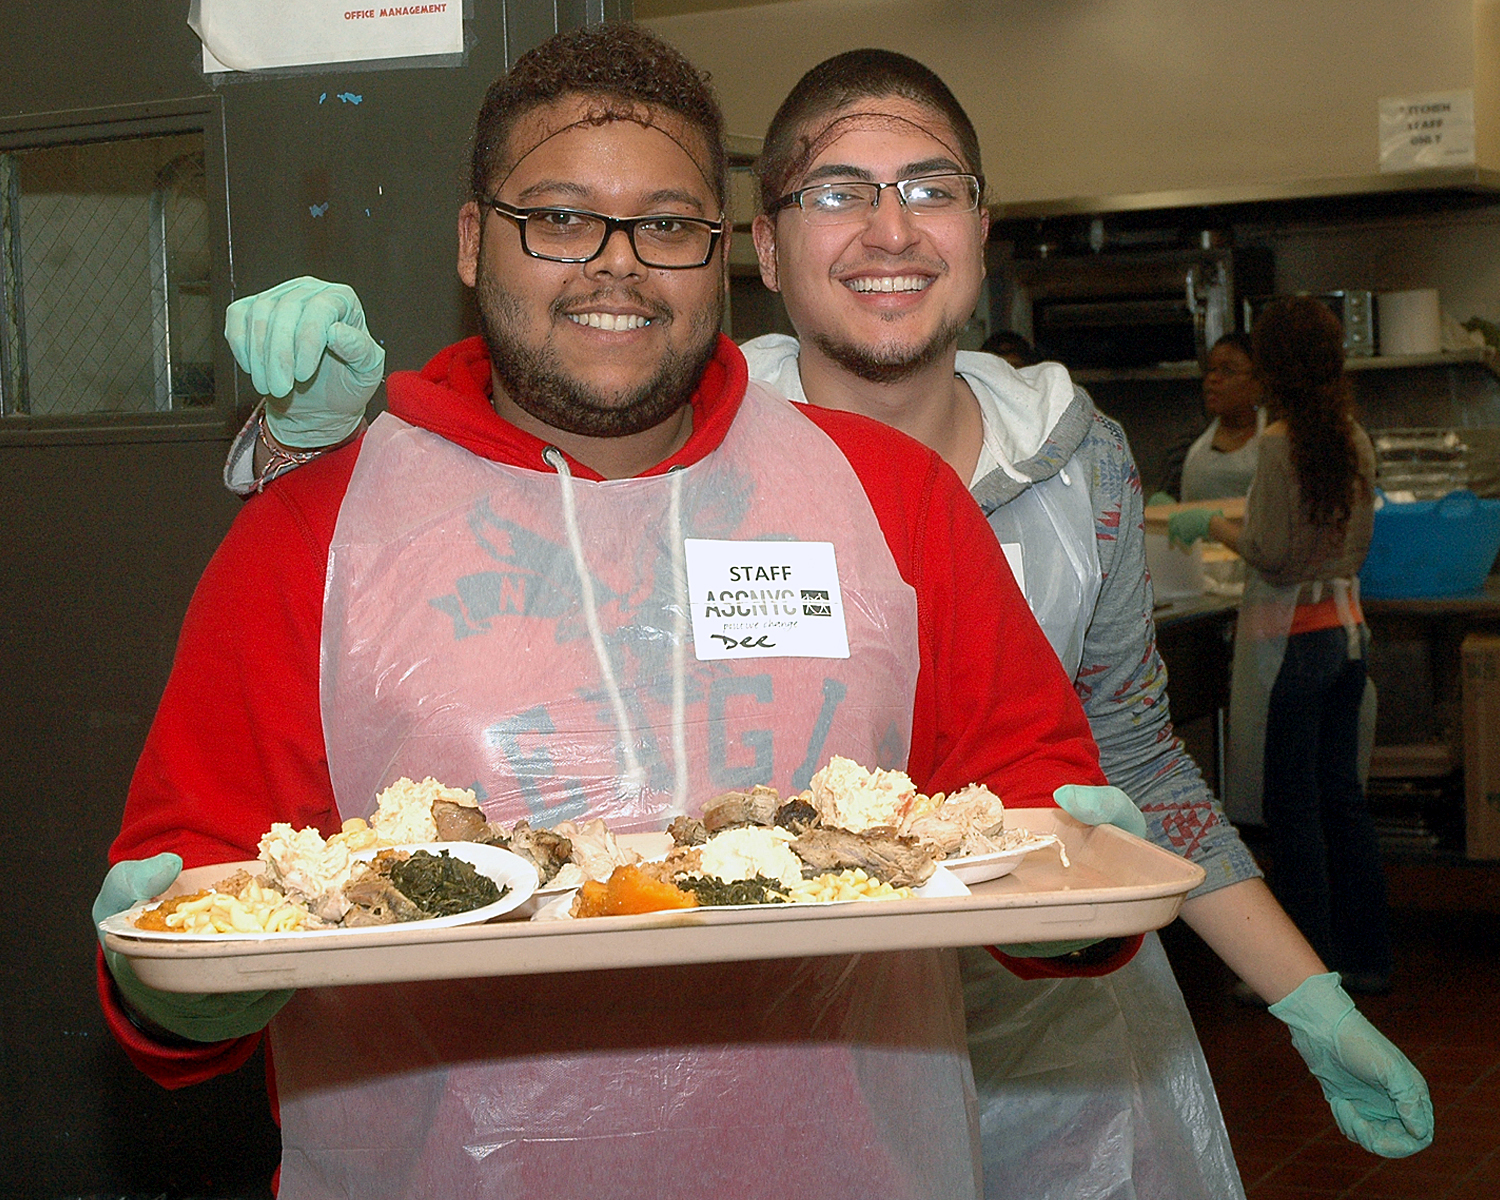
point(506, 869)
point(976, 868)
point(942, 882)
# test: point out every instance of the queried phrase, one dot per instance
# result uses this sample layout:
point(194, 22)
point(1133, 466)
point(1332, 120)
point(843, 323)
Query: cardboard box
point(1481, 702)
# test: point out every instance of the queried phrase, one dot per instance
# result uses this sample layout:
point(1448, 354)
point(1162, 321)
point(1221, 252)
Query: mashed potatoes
point(751, 851)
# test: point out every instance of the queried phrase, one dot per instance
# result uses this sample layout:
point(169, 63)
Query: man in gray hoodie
point(873, 232)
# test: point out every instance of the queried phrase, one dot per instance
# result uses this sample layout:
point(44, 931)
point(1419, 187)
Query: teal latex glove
point(1092, 806)
point(1378, 1098)
point(1100, 806)
point(199, 1018)
point(1190, 525)
point(306, 349)
point(1160, 498)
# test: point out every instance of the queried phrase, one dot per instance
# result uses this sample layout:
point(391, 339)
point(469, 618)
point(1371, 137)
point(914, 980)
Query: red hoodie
point(237, 742)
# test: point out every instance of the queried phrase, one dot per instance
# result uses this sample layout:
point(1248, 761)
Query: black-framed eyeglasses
point(856, 200)
point(572, 235)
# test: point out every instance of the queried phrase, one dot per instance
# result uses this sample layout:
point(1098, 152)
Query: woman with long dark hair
point(1299, 666)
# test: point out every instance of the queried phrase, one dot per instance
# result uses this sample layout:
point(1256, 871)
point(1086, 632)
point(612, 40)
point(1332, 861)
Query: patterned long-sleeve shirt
point(1121, 679)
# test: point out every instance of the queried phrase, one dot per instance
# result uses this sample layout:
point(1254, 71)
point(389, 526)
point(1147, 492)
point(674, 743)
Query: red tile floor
point(1443, 1011)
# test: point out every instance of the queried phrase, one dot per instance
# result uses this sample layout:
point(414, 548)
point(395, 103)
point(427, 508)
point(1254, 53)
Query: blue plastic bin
point(1431, 548)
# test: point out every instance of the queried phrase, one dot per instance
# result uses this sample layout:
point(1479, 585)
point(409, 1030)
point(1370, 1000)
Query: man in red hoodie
point(516, 582)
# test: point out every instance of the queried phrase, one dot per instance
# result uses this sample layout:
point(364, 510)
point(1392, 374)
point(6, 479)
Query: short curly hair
point(615, 61)
point(838, 82)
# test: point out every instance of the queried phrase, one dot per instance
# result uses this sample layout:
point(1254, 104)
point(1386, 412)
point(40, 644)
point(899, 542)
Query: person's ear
point(763, 231)
point(984, 238)
point(470, 219)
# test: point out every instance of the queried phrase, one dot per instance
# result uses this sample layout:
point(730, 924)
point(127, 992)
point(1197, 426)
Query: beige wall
point(1103, 97)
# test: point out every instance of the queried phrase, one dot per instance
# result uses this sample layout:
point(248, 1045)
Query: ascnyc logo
point(766, 602)
point(783, 602)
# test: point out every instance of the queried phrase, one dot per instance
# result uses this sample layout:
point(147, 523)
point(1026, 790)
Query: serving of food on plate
point(428, 855)
point(404, 866)
point(854, 834)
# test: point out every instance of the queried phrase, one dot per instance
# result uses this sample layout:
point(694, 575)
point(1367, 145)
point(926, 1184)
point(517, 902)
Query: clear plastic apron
point(1089, 1088)
point(1053, 524)
point(1260, 637)
point(527, 634)
point(1094, 1088)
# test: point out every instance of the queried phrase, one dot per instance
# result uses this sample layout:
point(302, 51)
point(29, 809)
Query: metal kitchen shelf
point(1377, 362)
point(1476, 181)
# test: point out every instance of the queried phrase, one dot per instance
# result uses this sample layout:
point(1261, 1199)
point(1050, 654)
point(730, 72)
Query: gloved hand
point(1100, 806)
point(200, 1018)
point(1092, 806)
point(1378, 1098)
point(1190, 525)
point(305, 347)
point(1160, 498)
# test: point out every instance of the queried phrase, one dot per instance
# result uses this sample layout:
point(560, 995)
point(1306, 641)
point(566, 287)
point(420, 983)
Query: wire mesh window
point(105, 259)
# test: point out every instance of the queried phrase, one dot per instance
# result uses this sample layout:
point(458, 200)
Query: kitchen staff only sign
point(765, 600)
point(257, 35)
point(1422, 132)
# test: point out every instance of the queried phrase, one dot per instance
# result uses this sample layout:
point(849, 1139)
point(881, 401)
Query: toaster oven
point(1356, 309)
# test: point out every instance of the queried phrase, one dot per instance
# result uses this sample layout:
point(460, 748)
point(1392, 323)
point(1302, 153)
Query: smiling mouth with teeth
point(611, 321)
point(888, 283)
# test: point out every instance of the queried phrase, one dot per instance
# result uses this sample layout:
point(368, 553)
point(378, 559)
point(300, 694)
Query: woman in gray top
point(1300, 645)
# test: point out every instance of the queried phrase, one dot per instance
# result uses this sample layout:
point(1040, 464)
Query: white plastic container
point(1410, 322)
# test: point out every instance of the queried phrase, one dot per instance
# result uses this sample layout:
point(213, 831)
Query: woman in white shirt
point(1221, 463)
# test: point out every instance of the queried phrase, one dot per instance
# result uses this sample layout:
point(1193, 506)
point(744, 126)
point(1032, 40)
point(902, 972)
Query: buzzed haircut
point(838, 82)
point(614, 61)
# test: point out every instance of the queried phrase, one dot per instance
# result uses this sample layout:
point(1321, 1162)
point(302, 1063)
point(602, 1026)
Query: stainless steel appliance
point(1123, 309)
point(1355, 308)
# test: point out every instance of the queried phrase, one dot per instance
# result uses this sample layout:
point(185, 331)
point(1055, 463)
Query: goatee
point(888, 363)
point(533, 379)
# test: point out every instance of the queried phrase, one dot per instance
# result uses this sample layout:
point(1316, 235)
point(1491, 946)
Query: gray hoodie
point(1038, 424)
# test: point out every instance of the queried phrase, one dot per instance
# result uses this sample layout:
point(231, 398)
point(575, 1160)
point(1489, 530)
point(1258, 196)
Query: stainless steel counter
point(1196, 639)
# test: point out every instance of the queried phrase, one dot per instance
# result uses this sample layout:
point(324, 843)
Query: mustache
point(888, 262)
point(654, 309)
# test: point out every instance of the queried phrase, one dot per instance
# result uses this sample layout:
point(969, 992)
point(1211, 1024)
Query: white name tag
point(765, 600)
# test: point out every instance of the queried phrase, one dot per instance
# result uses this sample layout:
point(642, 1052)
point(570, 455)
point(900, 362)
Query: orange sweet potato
point(629, 890)
point(589, 902)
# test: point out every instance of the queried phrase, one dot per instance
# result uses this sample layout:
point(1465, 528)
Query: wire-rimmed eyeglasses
point(856, 200)
point(572, 235)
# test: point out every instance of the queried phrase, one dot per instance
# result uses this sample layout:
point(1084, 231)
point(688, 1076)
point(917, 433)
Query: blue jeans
point(1325, 866)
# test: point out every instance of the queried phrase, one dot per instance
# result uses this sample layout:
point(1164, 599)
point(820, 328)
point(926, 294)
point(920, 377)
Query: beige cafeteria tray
point(1117, 884)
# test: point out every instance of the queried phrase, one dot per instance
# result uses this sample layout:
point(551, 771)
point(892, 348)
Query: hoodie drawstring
point(635, 777)
point(680, 605)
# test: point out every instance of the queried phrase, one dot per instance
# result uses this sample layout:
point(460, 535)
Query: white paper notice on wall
point(1418, 133)
point(258, 35)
